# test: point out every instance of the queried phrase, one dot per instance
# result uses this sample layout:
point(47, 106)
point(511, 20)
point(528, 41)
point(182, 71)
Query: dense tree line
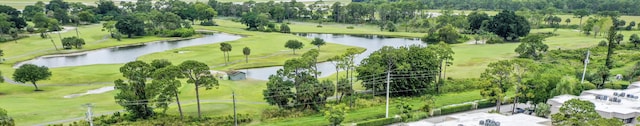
point(622, 6)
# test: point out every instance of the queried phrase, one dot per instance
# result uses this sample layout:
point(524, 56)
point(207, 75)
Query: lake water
point(125, 54)
point(370, 42)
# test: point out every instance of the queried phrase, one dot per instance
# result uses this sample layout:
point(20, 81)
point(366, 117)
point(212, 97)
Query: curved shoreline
point(82, 52)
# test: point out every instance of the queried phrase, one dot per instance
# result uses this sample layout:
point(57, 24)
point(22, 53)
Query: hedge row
point(457, 108)
point(377, 122)
point(485, 104)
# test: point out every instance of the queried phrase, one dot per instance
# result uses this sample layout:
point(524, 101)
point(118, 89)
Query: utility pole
point(235, 117)
point(89, 114)
point(586, 61)
point(515, 101)
point(388, 77)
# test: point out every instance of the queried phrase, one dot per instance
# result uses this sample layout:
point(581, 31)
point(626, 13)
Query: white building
point(475, 119)
point(620, 104)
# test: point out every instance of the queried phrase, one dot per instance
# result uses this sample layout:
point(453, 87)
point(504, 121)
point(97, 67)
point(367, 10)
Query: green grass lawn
point(267, 49)
point(28, 107)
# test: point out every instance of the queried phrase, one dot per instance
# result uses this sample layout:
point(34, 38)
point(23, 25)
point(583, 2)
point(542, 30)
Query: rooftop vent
point(490, 122)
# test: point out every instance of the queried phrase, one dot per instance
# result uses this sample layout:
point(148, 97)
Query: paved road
point(437, 119)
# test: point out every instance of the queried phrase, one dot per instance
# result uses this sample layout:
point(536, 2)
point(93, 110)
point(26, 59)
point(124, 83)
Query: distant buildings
point(620, 104)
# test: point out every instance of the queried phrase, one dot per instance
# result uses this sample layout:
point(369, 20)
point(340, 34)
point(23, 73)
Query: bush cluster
point(181, 32)
point(208, 23)
point(377, 122)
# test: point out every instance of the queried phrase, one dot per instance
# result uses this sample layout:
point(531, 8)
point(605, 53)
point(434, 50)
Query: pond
point(370, 42)
point(126, 54)
point(123, 54)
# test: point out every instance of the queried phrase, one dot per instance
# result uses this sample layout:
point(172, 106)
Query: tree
point(445, 57)
point(225, 48)
point(611, 37)
point(294, 44)
point(532, 47)
point(619, 38)
point(130, 25)
point(31, 73)
point(1, 78)
point(581, 13)
point(165, 79)
point(543, 110)
point(198, 74)
point(5, 25)
point(568, 20)
point(391, 27)
point(69, 42)
point(335, 114)
point(284, 28)
point(5, 119)
point(635, 40)
point(204, 11)
point(507, 24)
point(344, 88)
point(30, 11)
point(448, 34)
point(278, 90)
point(1, 54)
point(603, 75)
point(581, 113)
point(297, 75)
point(633, 73)
point(135, 95)
point(318, 42)
point(110, 26)
point(498, 75)
point(419, 62)
point(475, 20)
point(246, 51)
point(568, 85)
point(254, 20)
point(631, 25)
point(88, 17)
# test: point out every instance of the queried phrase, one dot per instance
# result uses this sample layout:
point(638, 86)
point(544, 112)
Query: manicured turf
point(267, 49)
point(28, 107)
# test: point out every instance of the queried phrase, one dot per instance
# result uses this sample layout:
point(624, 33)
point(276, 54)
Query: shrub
point(602, 43)
point(350, 27)
point(494, 41)
point(486, 104)
point(615, 84)
point(271, 113)
point(284, 28)
point(456, 108)
point(377, 122)
point(417, 116)
point(588, 85)
point(208, 23)
point(319, 26)
point(431, 38)
point(31, 29)
point(181, 32)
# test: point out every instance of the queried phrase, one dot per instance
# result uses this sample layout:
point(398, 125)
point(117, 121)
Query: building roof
point(627, 107)
point(473, 119)
point(233, 72)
